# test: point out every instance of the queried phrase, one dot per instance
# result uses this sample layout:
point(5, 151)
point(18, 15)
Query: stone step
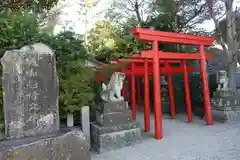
point(113, 118)
point(106, 107)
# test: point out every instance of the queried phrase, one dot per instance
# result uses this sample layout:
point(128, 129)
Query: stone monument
point(225, 103)
point(114, 127)
point(31, 93)
point(165, 96)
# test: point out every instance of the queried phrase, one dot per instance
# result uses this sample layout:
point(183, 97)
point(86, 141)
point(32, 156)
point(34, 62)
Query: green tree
point(227, 33)
point(104, 42)
point(20, 28)
point(76, 89)
point(17, 29)
point(32, 5)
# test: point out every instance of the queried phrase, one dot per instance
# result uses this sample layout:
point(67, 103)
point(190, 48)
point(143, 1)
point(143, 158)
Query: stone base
point(166, 107)
point(199, 112)
point(114, 137)
point(224, 116)
point(65, 145)
point(113, 113)
point(225, 106)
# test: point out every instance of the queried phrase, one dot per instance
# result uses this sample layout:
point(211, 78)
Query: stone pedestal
point(165, 99)
point(114, 127)
point(226, 106)
point(63, 145)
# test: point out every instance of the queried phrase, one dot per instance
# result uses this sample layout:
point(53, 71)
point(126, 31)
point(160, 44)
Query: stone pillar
point(165, 96)
point(225, 103)
point(31, 92)
point(85, 121)
point(114, 127)
point(30, 88)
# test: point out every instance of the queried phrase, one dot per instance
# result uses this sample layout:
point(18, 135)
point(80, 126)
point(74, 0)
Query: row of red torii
point(157, 63)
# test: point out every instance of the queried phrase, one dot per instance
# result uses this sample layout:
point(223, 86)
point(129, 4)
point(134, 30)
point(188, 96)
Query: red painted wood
point(139, 59)
point(146, 98)
point(133, 94)
point(205, 88)
point(129, 88)
point(170, 37)
point(124, 91)
point(173, 56)
point(171, 94)
point(164, 71)
point(157, 94)
point(187, 92)
point(139, 100)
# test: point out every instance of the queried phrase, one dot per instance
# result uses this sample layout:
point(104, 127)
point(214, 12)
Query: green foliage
point(30, 5)
point(17, 29)
point(108, 42)
point(196, 88)
point(21, 28)
point(104, 42)
point(76, 89)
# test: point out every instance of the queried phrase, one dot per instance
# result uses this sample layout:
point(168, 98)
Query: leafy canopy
point(35, 6)
point(19, 28)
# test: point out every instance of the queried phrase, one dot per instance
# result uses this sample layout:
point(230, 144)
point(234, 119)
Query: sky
point(70, 16)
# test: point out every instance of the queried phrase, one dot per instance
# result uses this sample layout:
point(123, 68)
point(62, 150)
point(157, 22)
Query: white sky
point(77, 22)
point(72, 18)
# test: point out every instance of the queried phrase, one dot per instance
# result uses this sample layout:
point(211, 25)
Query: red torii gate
point(150, 62)
point(143, 70)
point(174, 38)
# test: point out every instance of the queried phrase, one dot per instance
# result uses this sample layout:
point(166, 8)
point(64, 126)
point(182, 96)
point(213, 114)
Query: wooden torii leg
point(171, 97)
point(146, 98)
point(205, 88)
point(157, 93)
point(187, 92)
point(124, 91)
point(171, 93)
point(133, 94)
point(139, 94)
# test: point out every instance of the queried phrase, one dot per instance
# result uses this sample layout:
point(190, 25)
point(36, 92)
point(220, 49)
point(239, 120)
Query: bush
point(21, 28)
point(76, 89)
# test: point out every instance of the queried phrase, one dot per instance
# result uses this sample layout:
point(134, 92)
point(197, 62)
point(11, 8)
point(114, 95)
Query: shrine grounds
point(182, 141)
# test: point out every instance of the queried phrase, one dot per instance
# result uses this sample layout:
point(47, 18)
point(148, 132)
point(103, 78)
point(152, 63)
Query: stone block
point(106, 107)
point(225, 106)
point(85, 122)
point(223, 94)
point(64, 145)
point(113, 118)
point(166, 107)
point(115, 137)
point(30, 91)
point(226, 115)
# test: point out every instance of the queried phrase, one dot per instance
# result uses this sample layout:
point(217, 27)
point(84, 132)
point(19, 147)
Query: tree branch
point(219, 32)
point(13, 4)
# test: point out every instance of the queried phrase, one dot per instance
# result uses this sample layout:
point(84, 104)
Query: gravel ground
point(183, 141)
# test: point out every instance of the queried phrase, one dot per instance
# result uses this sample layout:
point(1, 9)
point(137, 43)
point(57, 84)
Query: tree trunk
point(232, 68)
point(232, 44)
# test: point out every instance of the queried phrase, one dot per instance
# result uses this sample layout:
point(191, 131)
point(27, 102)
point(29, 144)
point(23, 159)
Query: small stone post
point(85, 120)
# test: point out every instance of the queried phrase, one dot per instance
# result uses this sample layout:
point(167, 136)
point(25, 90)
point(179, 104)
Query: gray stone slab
point(95, 128)
point(166, 107)
point(85, 122)
point(226, 116)
point(113, 118)
point(106, 107)
point(67, 145)
point(102, 142)
point(30, 88)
